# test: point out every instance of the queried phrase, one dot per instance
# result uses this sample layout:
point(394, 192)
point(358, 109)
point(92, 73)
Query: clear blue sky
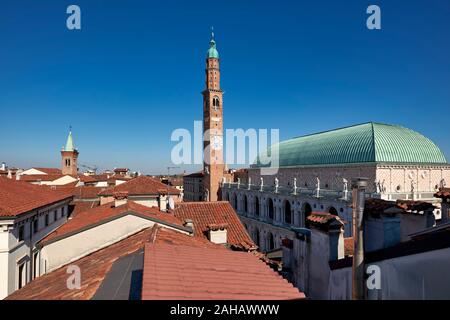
point(136, 69)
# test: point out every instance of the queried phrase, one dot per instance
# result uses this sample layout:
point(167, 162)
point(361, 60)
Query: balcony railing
point(327, 193)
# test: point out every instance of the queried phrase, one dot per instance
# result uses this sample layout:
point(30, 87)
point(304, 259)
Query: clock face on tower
point(216, 143)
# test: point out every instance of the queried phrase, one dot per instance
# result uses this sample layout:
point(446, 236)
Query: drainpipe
point(358, 189)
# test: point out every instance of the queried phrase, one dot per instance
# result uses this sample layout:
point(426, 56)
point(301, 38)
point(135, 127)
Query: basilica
point(315, 171)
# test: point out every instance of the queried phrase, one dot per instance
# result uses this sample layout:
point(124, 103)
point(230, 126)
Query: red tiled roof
point(320, 217)
point(205, 214)
point(101, 177)
point(81, 206)
point(104, 213)
point(443, 193)
point(87, 192)
point(49, 170)
point(84, 178)
point(40, 177)
point(141, 185)
point(18, 197)
point(349, 246)
point(199, 174)
point(180, 272)
point(94, 267)
point(416, 206)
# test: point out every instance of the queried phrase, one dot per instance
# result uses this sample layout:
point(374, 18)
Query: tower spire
point(69, 142)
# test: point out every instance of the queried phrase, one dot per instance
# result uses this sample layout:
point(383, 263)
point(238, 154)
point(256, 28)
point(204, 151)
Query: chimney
point(359, 186)
point(336, 240)
point(120, 198)
point(189, 224)
point(3, 167)
point(217, 233)
point(445, 210)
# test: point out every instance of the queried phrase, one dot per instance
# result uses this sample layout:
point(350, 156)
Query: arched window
point(245, 204)
point(234, 202)
point(257, 206)
point(271, 209)
point(287, 212)
point(257, 237)
point(270, 241)
point(333, 211)
point(306, 211)
point(216, 103)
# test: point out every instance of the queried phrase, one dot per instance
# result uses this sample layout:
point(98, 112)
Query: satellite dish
point(171, 203)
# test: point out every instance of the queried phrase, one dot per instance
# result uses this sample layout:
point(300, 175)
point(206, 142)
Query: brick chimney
point(217, 233)
point(120, 198)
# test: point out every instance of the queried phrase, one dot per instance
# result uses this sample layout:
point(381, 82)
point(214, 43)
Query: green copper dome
point(368, 142)
point(69, 143)
point(212, 51)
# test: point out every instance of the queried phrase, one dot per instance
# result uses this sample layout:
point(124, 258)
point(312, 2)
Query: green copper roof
point(69, 143)
point(212, 51)
point(368, 142)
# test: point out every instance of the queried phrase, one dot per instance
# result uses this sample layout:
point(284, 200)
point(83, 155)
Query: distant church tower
point(69, 156)
point(212, 125)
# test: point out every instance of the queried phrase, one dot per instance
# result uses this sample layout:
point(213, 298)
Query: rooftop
point(206, 214)
point(363, 143)
point(17, 197)
point(185, 272)
point(141, 185)
point(102, 214)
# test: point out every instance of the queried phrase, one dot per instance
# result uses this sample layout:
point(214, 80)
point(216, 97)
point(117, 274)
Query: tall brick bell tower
point(213, 164)
point(69, 156)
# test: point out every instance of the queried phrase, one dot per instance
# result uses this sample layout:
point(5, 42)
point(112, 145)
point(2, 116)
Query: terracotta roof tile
point(49, 170)
point(40, 177)
point(18, 197)
point(205, 214)
point(349, 247)
point(443, 193)
point(95, 266)
point(141, 185)
point(180, 272)
point(105, 212)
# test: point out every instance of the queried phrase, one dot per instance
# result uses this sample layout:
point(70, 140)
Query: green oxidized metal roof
point(212, 51)
point(368, 142)
point(69, 143)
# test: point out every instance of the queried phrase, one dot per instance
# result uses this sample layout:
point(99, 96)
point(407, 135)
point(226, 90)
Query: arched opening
point(333, 211)
point(257, 237)
point(234, 202)
point(287, 212)
point(306, 211)
point(270, 242)
point(216, 102)
point(270, 209)
point(245, 204)
point(257, 206)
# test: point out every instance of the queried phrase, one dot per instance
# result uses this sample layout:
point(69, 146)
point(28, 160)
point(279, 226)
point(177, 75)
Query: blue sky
point(135, 71)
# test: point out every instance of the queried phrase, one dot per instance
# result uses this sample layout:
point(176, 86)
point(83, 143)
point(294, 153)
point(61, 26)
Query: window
point(257, 206)
point(36, 225)
point(21, 233)
point(35, 265)
point(21, 275)
point(287, 212)
point(55, 215)
point(46, 220)
point(271, 210)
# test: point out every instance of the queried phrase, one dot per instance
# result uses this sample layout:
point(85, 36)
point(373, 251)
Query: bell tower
point(213, 164)
point(69, 156)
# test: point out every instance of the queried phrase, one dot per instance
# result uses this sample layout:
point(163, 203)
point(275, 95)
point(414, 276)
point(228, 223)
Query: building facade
point(28, 213)
point(212, 125)
point(316, 171)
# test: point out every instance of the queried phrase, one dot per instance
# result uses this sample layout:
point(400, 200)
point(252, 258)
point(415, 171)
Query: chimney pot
point(120, 198)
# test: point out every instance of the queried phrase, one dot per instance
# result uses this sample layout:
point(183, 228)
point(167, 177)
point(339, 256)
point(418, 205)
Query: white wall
point(74, 247)
point(13, 251)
